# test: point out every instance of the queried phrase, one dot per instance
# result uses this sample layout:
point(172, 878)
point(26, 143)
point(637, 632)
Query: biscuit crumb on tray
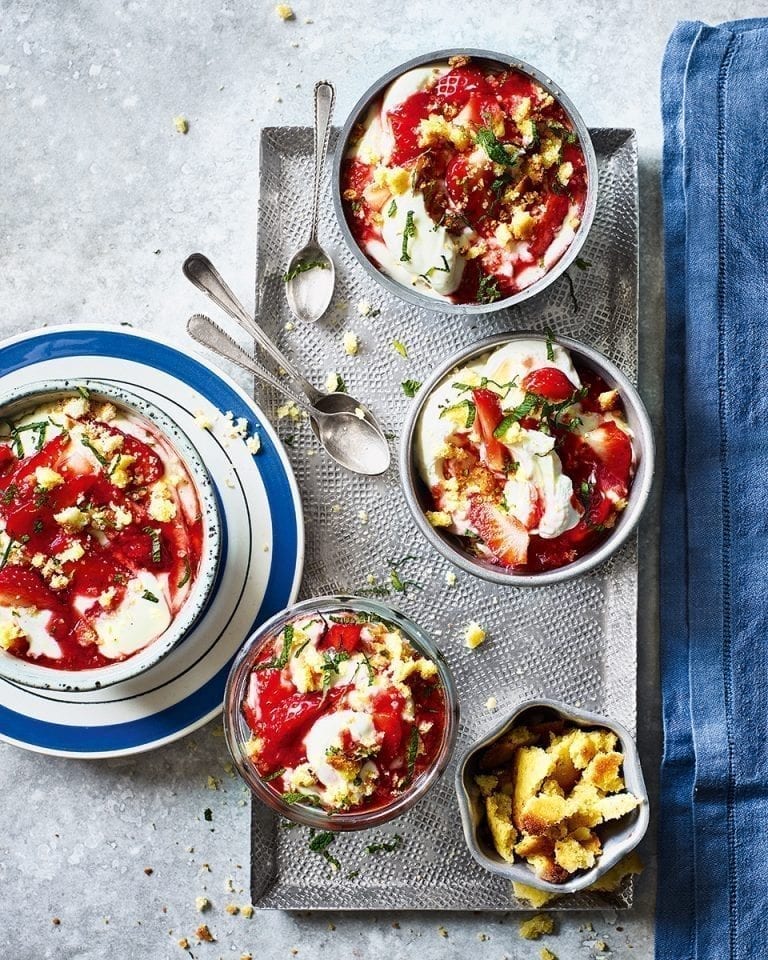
point(536, 926)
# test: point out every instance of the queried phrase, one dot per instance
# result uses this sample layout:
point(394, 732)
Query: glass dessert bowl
point(340, 713)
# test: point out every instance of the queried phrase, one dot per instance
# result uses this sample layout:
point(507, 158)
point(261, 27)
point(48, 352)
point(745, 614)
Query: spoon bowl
point(310, 284)
point(346, 435)
point(311, 277)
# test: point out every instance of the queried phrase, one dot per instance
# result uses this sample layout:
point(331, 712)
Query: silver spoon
point(199, 270)
point(310, 276)
point(351, 441)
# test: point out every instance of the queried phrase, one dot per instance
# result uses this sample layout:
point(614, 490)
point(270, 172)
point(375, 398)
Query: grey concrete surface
point(101, 200)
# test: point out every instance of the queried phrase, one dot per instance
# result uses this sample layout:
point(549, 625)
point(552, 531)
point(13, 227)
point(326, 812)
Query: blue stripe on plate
point(135, 733)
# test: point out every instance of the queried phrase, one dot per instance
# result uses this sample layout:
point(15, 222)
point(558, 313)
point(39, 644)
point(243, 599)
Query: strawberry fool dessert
point(528, 456)
point(345, 713)
point(100, 534)
point(464, 181)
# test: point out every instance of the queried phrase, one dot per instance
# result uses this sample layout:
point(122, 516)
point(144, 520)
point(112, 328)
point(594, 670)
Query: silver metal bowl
point(618, 837)
point(451, 547)
point(484, 58)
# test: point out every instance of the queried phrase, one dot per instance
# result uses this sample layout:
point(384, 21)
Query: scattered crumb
point(202, 904)
point(289, 410)
point(332, 382)
point(212, 783)
point(184, 943)
point(360, 413)
point(351, 343)
point(229, 482)
point(395, 925)
point(232, 909)
point(546, 954)
point(450, 578)
point(285, 12)
point(442, 932)
point(534, 896)
point(203, 420)
point(246, 956)
point(181, 124)
point(149, 871)
point(601, 946)
point(331, 926)
point(491, 703)
point(55, 921)
point(482, 937)
point(247, 911)
point(290, 325)
point(474, 635)
point(203, 933)
point(362, 516)
point(253, 443)
point(364, 308)
point(537, 926)
point(335, 508)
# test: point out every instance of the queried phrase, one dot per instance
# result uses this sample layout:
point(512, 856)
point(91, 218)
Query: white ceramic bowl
point(497, 61)
point(452, 547)
point(618, 837)
point(29, 674)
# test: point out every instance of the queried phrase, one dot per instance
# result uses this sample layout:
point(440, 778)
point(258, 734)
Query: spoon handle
point(199, 270)
point(207, 333)
point(324, 98)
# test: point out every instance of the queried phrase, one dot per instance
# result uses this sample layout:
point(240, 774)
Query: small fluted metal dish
point(619, 837)
point(497, 61)
point(451, 547)
point(238, 733)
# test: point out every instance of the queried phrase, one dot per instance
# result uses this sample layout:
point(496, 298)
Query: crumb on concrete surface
point(536, 926)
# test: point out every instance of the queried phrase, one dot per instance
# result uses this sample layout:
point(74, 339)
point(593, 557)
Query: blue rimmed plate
point(262, 546)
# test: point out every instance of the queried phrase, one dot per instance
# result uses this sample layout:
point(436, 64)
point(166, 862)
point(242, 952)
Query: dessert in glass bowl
point(341, 710)
point(527, 455)
point(466, 180)
point(102, 535)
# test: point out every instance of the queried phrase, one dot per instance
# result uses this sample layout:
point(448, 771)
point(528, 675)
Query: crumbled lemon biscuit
point(71, 517)
point(450, 578)
point(498, 809)
point(72, 553)
point(285, 12)
point(202, 904)
point(121, 476)
point(47, 479)
point(537, 926)
point(247, 911)
point(491, 703)
point(537, 898)
point(10, 631)
point(288, 410)
point(351, 343)
point(181, 124)
point(203, 420)
point(332, 382)
point(439, 518)
point(253, 443)
point(474, 635)
point(161, 507)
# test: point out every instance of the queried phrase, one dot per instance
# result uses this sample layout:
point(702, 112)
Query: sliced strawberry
point(549, 223)
point(550, 383)
point(7, 456)
point(502, 533)
point(147, 467)
point(342, 636)
point(22, 587)
point(461, 84)
point(388, 707)
point(613, 450)
point(48, 456)
point(404, 121)
point(489, 416)
point(469, 188)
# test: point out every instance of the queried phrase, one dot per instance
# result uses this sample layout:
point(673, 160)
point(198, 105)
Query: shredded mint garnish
point(302, 267)
point(408, 232)
point(150, 596)
point(411, 387)
point(488, 290)
point(187, 573)
point(400, 348)
point(385, 846)
point(495, 149)
point(392, 210)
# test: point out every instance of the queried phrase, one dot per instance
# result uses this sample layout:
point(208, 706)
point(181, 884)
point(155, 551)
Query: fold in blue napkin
point(713, 815)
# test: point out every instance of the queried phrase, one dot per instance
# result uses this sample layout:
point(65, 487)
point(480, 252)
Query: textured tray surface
point(575, 641)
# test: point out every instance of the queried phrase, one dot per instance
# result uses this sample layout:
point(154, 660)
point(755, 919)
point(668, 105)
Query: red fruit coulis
point(600, 469)
point(280, 716)
point(113, 551)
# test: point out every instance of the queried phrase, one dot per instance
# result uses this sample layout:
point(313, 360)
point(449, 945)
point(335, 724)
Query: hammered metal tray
point(575, 641)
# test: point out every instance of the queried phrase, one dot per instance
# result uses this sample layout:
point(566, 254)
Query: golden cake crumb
point(537, 926)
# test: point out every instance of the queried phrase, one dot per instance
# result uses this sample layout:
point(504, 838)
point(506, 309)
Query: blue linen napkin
point(713, 816)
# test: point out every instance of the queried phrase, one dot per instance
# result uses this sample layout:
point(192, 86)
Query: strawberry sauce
point(331, 682)
point(93, 516)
